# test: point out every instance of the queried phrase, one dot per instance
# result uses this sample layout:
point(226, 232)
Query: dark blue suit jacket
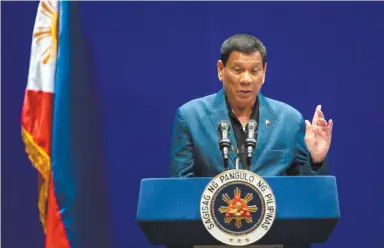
point(280, 143)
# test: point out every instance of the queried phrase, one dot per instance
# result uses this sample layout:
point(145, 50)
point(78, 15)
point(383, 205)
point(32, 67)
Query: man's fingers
point(308, 126)
point(330, 127)
point(322, 123)
point(316, 114)
point(320, 133)
point(320, 114)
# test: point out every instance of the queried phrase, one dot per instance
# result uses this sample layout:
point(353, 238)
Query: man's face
point(242, 77)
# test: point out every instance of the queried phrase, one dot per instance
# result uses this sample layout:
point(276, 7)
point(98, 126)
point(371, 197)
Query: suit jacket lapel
point(219, 113)
point(267, 122)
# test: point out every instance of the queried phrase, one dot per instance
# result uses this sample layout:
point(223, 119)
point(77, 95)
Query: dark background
point(149, 58)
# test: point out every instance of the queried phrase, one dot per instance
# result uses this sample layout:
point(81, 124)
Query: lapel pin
point(267, 122)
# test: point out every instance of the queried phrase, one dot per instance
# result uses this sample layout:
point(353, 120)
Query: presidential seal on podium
point(238, 207)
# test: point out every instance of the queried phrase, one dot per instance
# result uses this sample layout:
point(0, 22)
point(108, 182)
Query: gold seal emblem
point(238, 208)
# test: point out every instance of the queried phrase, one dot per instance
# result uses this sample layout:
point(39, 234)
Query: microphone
point(250, 142)
point(224, 143)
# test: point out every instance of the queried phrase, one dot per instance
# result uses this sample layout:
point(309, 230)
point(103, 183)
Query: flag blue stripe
point(62, 156)
point(77, 153)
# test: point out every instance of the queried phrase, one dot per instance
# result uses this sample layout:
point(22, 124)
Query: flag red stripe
point(56, 236)
point(36, 117)
point(36, 121)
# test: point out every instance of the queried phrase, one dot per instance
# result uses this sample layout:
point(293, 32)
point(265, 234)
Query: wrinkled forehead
point(243, 59)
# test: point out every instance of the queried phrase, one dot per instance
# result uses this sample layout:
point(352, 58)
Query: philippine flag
point(58, 128)
point(37, 113)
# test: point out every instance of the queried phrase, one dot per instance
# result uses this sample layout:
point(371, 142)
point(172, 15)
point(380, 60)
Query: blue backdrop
point(149, 58)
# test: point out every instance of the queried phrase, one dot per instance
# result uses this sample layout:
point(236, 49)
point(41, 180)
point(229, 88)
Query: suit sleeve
point(182, 161)
point(303, 164)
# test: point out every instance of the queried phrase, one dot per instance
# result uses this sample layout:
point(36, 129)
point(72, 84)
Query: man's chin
point(244, 103)
point(245, 99)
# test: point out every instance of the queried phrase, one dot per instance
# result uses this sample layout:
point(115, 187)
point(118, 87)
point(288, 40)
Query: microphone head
point(224, 130)
point(250, 128)
point(252, 124)
point(224, 127)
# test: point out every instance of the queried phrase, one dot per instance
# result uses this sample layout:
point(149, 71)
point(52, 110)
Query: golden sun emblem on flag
point(48, 29)
point(238, 208)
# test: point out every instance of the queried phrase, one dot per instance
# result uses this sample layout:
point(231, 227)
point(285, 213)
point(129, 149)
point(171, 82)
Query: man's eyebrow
point(256, 63)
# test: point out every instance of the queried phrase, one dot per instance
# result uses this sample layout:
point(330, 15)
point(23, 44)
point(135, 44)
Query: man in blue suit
point(286, 144)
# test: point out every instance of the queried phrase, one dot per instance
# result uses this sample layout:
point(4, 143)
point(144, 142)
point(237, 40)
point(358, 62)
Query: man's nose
point(246, 78)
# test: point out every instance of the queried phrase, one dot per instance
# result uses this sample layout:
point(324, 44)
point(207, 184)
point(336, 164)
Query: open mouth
point(245, 91)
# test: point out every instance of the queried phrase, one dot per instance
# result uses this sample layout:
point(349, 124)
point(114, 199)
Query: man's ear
point(220, 70)
point(265, 72)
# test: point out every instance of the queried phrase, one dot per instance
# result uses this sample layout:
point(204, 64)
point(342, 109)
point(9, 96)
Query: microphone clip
point(250, 141)
point(225, 144)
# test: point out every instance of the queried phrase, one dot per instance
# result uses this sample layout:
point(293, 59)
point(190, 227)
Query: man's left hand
point(318, 135)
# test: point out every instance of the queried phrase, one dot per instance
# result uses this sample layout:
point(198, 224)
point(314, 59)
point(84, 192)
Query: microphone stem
point(225, 164)
point(249, 162)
